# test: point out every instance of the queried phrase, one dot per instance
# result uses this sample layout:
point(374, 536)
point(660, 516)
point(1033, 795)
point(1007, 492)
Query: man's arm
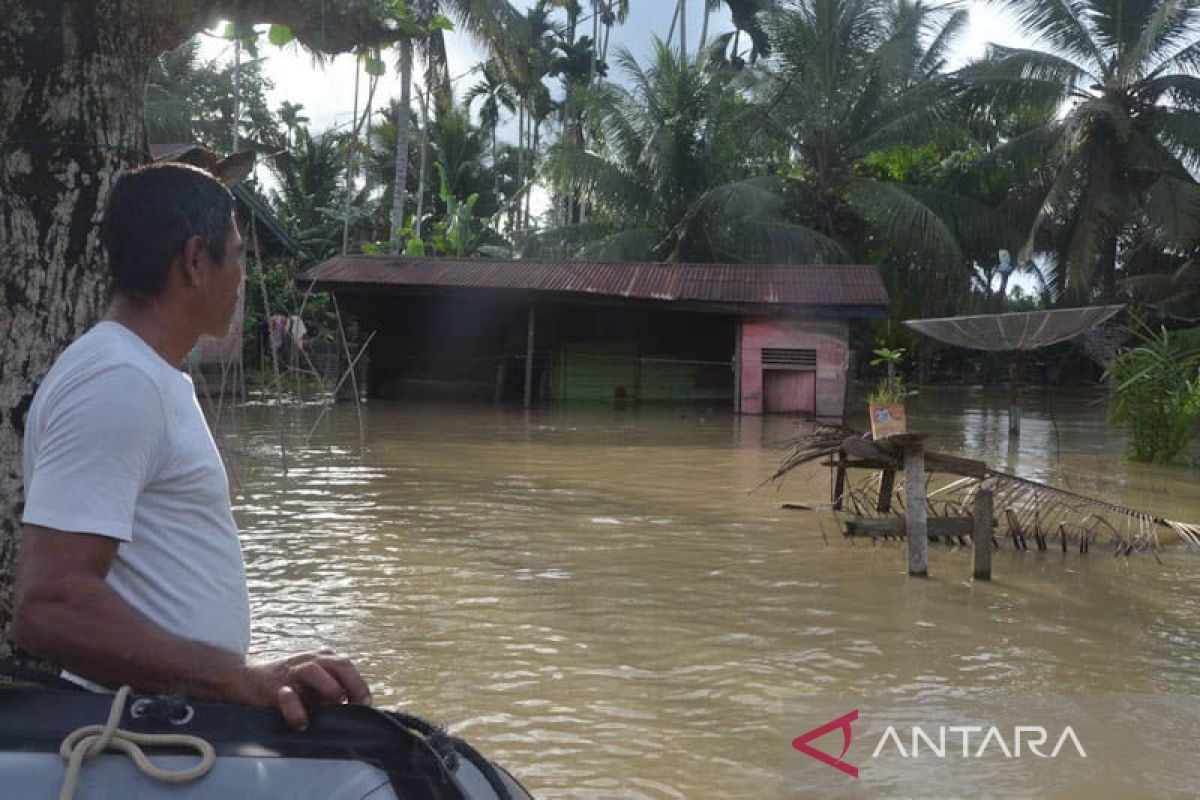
point(66, 612)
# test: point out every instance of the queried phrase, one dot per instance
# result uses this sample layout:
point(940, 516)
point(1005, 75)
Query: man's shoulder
point(104, 359)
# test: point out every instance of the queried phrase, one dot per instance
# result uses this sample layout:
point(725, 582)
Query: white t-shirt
point(116, 445)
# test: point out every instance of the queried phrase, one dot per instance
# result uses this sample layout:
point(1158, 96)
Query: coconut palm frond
point(634, 244)
point(938, 50)
point(1026, 512)
point(1169, 24)
point(901, 218)
point(607, 184)
point(1061, 23)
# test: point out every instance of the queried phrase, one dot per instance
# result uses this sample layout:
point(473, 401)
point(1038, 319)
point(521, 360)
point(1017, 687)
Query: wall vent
point(782, 357)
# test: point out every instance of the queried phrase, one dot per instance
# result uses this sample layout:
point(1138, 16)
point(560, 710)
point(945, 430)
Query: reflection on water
point(602, 600)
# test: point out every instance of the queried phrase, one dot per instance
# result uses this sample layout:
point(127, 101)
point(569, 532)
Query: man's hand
point(322, 678)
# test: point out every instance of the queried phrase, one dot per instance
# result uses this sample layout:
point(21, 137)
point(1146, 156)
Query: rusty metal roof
point(808, 285)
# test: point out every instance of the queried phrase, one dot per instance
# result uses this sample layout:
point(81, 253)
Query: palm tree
point(292, 120)
point(381, 158)
point(311, 179)
point(669, 178)
point(526, 60)
point(458, 148)
point(189, 100)
point(1113, 155)
point(610, 13)
point(748, 19)
point(851, 78)
point(487, 21)
point(495, 94)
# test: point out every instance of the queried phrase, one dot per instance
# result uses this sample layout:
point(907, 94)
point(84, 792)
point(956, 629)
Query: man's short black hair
point(152, 213)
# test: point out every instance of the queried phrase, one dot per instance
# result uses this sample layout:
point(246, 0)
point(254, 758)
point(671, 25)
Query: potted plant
point(886, 402)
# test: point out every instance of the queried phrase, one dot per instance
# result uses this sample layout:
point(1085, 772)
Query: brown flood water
point(596, 598)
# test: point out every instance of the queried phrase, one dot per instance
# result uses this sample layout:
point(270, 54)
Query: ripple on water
point(597, 600)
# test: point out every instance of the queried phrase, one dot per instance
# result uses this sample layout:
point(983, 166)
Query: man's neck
point(156, 325)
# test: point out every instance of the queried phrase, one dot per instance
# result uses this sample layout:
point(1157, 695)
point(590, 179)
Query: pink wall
point(829, 339)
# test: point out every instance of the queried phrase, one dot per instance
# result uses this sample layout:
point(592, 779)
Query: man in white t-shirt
point(130, 569)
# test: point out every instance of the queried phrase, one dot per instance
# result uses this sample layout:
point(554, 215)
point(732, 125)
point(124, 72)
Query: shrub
point(1155, 389)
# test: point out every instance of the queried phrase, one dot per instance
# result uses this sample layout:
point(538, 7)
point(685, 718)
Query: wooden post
point(839, 484)
point(917, 525)
point(499, 397)
point(887, 486)
point(983, 535)
point(529, 359)
point(1014, 396)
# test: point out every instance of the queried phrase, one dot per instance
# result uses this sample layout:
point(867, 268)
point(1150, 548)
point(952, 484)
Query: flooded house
point(757, 338)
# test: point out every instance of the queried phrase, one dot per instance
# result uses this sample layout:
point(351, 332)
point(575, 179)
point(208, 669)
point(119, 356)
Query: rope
point(90, 741)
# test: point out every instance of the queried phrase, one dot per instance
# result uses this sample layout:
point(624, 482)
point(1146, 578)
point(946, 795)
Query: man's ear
point(193, 251)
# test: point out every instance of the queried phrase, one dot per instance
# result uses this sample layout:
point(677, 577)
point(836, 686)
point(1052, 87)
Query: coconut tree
point(494, 94)
point(669, 177)
point(487, 21)
point(1123, 79)
point(311, 177)
point(848, 79)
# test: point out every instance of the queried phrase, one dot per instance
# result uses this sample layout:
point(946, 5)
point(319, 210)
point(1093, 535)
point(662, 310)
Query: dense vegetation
point(815, 131)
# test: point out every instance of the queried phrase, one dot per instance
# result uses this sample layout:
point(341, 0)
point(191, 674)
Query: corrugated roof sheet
point(759, 284)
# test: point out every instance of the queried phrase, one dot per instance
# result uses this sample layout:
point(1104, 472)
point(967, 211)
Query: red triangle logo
point(842, 723)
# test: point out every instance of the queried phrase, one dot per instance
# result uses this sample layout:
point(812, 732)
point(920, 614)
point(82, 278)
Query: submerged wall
point(793, 366)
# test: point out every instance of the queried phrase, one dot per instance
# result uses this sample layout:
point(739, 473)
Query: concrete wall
point(828, 338)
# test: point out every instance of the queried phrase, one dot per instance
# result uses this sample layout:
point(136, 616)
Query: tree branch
point(327, 26)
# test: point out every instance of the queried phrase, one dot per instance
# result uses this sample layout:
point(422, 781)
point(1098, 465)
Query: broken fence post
point(983, 535)
point(917, 527)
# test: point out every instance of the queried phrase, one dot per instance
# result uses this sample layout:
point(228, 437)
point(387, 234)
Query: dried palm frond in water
point(1026, 511)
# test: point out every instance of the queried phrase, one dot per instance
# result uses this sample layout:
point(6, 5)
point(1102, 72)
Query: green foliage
point(891, 389)
point(460, 233)
point(1155, 389)
point(279, 35)
point(1109, 104)
point(190, 101)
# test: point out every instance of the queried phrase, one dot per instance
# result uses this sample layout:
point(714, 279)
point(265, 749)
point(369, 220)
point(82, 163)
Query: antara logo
point(843, 722)
point(989, 740)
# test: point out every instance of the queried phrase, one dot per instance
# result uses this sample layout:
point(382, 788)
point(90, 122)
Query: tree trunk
point(496, 166)
point(703, 33)
point(422, 175)
point(71, 118)
point(520, 159)
point(350, 161)
point(237, 93)
point(71, 112)
point(403, 134)
point(537, 129)
point(683, 31)
point(595, 42)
